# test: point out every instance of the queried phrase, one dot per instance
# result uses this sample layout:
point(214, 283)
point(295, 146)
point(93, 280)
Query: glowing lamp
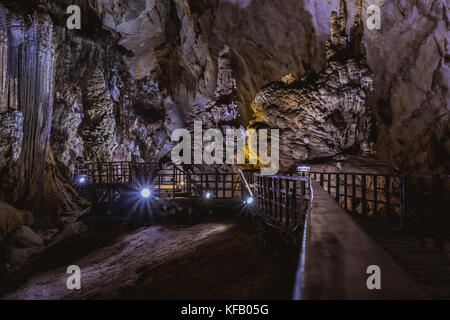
point(81, 180)
point(208, 195)
point(250, 200)
point(146, 193)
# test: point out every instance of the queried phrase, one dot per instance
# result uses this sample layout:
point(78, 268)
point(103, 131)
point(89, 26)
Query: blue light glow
point(146, 193)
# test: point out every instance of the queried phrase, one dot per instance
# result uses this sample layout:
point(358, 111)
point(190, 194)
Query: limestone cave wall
point(270, 39)
point(67, 96)
point(137, 67)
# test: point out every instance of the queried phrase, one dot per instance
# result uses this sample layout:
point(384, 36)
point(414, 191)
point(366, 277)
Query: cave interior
point(96, 96)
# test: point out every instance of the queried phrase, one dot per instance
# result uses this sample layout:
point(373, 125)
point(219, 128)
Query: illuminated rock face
point(222, 112)
point(11, 137)
point(99, 126)
point(326, 114)
point(411, 98)
point(270, 39)
point(169, 69)
point(27, 49)
point(67, 144)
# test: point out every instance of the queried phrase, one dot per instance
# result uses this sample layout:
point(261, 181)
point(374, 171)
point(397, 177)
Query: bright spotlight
point(250, 200)
point(208, 195)
point(81, 179)
point(145, 193)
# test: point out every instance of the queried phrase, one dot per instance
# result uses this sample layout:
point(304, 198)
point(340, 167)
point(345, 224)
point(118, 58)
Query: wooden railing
point(411, 201)
point(415, 201)
point(116, 172)
point(283, 198)
point(211, 185)
point(167, 182)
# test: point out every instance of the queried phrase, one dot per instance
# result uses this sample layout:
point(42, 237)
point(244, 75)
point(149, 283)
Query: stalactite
point(356, 35)
point(343, 16)
point(28, 82)
point(4, 86)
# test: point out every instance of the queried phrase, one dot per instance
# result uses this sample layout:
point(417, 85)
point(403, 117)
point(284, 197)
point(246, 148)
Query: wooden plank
point(337, 254)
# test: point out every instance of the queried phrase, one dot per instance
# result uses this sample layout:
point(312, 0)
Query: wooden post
point(329, 184)
point(387, 189)
point(224, 185)
point(353, 192)
point(173, 182)
point(403, 202)
point(345, 192)
point(338, 188)
point(232, 185)
point(217, 185)
point(375, 196)
point(273, 197)
point(201, 184)
point(286, 208)
point(363, 194)
point(294, 201)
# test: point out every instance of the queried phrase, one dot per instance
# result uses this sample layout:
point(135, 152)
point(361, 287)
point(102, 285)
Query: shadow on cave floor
point(221, 259)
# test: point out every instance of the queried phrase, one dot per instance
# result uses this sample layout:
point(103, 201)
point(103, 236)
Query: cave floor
point(213, 260)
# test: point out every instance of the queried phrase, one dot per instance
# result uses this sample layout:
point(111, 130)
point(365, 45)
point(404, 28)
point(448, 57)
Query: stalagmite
point(326, 114)
point(99, 126)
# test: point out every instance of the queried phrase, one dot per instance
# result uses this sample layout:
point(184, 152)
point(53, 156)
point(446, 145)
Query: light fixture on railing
point(304, 169)
point(146, 193)
point(208, 195)
point(250, 200)
point(81, 179)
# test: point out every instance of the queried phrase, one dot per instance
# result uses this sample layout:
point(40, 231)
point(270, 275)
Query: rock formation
point(99, 126)
point(12, 218)
point(326, 114)
point(11, 137)
point(67, 144)
point(78, 102)
point(222, 112)
point(158, 62)
point(27, 84)
point(270, 39)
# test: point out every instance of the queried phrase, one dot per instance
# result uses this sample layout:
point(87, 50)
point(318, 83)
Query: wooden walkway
point(337, 253)
point(427, 265)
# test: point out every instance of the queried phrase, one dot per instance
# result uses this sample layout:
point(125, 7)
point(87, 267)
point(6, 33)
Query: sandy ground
point(204, 261)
